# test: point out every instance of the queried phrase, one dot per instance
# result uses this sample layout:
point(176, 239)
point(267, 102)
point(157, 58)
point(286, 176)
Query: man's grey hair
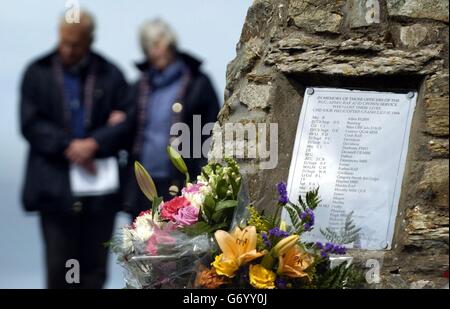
point(154, 30)
point(86, 20)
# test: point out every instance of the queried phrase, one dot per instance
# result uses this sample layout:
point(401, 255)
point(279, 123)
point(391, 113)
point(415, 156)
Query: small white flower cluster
point(195, 193)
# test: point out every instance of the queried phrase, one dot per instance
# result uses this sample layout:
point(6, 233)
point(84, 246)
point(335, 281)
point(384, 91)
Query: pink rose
point(186, 216)
point(170, 208)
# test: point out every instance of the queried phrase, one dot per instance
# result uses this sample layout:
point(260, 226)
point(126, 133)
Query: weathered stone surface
point(432, 9)
point(256, 96)
point(394, 282)
point(402, 269)
point(422, 284)
point(424, 227)
point(438, 148)
point(434, 183)
point(288, 45)
point(259, 20)
point(412, 36)
point(437, 116)
point(316, 16)
point(350, 58)
point(246, 58)
point(437, 84)
point(418, 34)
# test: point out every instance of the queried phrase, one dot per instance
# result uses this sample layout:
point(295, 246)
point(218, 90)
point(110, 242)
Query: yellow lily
point(285, 244)
point(238, 248)
point(294, 262)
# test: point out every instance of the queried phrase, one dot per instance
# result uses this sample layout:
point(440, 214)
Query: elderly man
point(172, 89)
point(73, 111)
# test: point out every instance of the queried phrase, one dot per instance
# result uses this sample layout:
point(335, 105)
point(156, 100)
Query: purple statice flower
point(276, 232)
point(339, 250)
point(308, 218)
point(282, 192)
point(280, 283)
point(266, 240)
point(329, 248)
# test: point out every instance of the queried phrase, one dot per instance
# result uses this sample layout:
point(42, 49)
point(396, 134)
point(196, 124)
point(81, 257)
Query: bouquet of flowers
point(160, 247)
point(210, 236)
point(266, 253)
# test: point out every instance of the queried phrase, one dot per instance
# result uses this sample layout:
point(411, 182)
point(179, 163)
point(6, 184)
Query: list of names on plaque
point(352, 145)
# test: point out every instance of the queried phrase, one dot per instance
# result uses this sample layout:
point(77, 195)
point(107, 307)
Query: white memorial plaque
point(353, 145)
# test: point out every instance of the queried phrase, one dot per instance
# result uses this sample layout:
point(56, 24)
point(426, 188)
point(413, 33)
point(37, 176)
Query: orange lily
point(294, 262)
point(238, 248)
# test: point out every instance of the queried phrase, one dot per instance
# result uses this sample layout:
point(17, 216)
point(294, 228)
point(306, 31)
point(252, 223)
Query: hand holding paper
point(80, 151)
point(105, 180)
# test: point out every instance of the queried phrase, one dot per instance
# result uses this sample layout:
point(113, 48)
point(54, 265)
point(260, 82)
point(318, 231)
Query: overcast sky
point(209, 29)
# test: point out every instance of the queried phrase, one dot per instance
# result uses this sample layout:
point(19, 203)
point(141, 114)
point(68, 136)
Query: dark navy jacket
point(44, 126)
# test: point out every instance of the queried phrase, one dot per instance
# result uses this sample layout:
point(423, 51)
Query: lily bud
point(177, 160)
point(144, 181)
point(283, 225)
point(284, 245)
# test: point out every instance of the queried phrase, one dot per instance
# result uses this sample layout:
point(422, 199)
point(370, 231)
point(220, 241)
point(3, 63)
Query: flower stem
point(275, 216)
point(268, 261)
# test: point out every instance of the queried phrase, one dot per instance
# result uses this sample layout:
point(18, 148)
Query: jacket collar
point(48, 58)
point(191, 62)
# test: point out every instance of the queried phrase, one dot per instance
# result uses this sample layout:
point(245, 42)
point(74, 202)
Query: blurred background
point(209, 29)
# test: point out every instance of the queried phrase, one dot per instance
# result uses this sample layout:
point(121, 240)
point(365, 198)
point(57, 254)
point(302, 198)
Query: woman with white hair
point(172, 89)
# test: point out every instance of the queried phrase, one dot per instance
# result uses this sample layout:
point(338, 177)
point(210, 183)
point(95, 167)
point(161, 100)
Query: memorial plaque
point(353, 145)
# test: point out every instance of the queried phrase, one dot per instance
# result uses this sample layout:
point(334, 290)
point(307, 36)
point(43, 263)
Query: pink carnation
point(170, 208)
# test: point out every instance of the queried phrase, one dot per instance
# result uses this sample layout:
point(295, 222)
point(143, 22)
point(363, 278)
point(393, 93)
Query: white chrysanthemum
point(126, 244)
point(143, 228)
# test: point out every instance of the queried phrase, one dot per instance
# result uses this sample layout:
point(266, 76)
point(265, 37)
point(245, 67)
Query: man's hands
point(82, 152)
point(116, 117)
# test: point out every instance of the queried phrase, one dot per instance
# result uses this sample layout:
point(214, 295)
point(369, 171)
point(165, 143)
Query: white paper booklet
point(104, 181)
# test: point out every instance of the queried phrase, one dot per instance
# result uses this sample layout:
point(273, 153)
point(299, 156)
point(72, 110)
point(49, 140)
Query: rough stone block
point(436, 114)
point(430, 9)
point(438, 148)
point(427, 229)
point(437, 84)
point(256, 96)
point(318, 16)
point(434, 183)
point(412, 36)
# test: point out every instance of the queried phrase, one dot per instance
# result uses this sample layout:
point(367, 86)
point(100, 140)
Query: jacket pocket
point(46, 184)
